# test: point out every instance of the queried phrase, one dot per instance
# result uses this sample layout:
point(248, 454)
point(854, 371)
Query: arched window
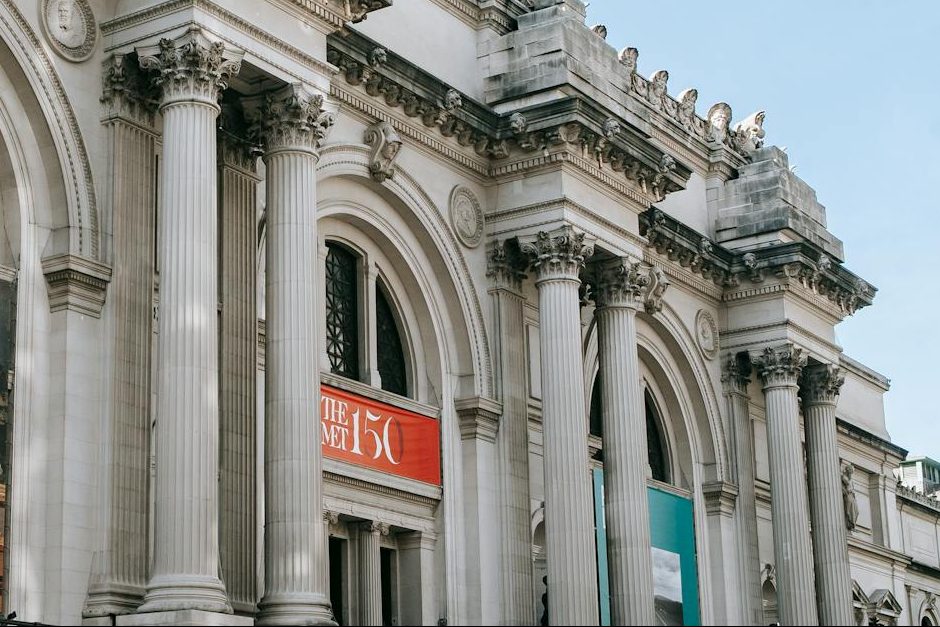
point(656, 451)
point(390, 356)
point(342, 311)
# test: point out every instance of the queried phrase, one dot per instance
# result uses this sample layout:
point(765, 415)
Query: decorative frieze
point(559, 254)
point(76, 283)
point(190, 68)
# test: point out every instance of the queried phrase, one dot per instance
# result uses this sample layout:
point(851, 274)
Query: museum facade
point(433, 312)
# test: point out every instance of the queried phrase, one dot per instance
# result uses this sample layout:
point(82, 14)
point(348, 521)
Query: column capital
point(736, 373)
point(505, 265)
point(780, 365)
point(126, 93)
point(290, 118)
point(820, 384)
point(190, 68)
point(620, 283)
point(559, 254)
point(374, 527)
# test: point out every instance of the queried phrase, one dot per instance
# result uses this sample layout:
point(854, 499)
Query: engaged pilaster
point(779, 369)
point(290, 123)
point(736, 377)
point(504, 269)
point(621, 288)
point(557, 259)
point(120, 569)
point(190, 72)
point(820, 387)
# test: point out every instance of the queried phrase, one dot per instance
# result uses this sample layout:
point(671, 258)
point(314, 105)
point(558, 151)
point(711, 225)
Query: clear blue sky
point(853, 91)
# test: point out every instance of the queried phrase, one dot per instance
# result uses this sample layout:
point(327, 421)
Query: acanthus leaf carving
point(559, 254)
point(291, 117)
point(780, 365)
point(386, 144)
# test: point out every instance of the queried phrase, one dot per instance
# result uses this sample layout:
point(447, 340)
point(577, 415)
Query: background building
point(439, 316)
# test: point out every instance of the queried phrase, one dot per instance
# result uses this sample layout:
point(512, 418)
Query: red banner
point(379, 436)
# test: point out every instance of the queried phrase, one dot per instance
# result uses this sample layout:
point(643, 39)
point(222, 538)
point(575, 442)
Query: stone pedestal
point(290, 124)
point(620, 291)
point(185, 574)
point(820, 392)
point(779, 369)
point(557, 258)
point(181, 617)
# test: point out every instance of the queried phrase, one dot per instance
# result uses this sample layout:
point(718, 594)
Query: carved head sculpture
point(719, 117)
point(611, 127)
point(378, 56)
point(659, 80)
point(452, 100)
point(628, 57)
point(687, 102)
point(600, 30)
point(750, 132)
point(65, 11)
point(518, 123)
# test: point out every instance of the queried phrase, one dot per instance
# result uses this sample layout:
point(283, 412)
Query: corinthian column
point(512, 439)
point(620, 292)
point(290, 124)
point(191, 73)
point(779, 369)
point(557, 258)
point(820, 391)
point(370, 572)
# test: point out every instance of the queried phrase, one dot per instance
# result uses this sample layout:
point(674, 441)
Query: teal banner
point(675, 574)
point(600, 530)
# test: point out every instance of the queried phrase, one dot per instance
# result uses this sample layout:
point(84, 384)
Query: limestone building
point(433, 312)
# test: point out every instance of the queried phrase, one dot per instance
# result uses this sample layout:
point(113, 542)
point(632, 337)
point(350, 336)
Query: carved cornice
point(571, 124)
point(793, 263)
point(126, 93)
point(820, 384)
point(337, 13)
point(190, 67)
point(780, 365)
point(505, 265)
point(291, 118)
point(76, 284)
point(557, 255)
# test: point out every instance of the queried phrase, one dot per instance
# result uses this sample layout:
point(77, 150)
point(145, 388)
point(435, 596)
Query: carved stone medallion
point(466, 217)
point(706, 334)
point(70, 27)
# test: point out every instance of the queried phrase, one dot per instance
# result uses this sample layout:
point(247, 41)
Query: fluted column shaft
point(569, 525)
point(512, 441)
point(626, 462)
point(820, 391)
point(238, 342)
point(296, 574)
point(779, 369)
point(370, 573)
point(185, 573)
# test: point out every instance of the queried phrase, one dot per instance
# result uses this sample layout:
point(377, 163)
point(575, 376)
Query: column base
point(176, 593)
point(106, 600)
point(183, 617)
point(295, 609)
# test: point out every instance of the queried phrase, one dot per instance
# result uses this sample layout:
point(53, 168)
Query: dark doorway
point(388, 587)
point(338, 579)
point(7, 336)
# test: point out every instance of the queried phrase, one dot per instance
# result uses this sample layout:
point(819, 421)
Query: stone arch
point(31, 83)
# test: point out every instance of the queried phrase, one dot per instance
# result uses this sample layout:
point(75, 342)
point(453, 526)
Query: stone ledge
point(76, 284)
point(183, 617)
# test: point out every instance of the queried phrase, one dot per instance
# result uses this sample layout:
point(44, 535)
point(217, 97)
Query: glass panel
point(654, 442)
point(342, 307)
point(391, 357)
